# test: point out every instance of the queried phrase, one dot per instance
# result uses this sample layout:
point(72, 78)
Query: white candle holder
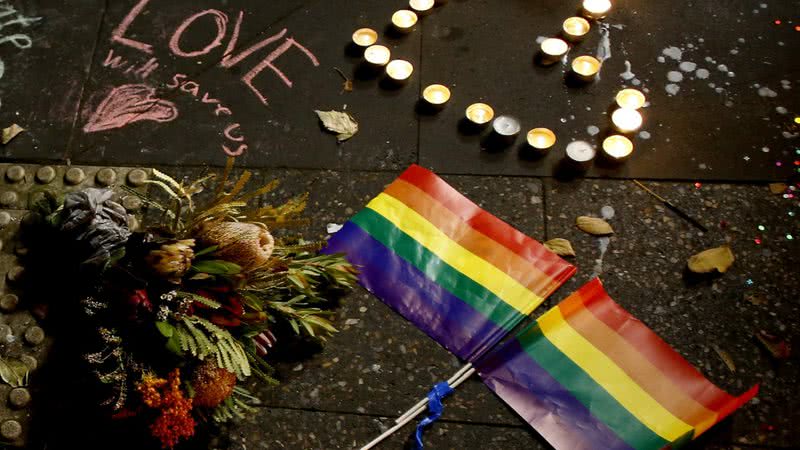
point(617, 148)
point(436, 95)
point(541, 139)
point(596, 9)
point(626, 120)
point(399, 71)
point(421, 7)
point(576, 28)
point(377, 55)
point(479, 114)
point(364, 37)
point(553, 50)
point(630, 98)
point(579, 154)
point(404, 21)
point(586, 68)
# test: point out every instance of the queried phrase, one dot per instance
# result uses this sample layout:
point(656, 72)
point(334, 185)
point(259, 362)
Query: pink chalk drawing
point(127, 104)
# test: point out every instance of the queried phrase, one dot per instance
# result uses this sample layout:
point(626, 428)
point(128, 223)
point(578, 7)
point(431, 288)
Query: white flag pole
point(422, 403)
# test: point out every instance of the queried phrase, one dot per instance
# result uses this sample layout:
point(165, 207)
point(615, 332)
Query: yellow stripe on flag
point(495, 280)
point(611, 377)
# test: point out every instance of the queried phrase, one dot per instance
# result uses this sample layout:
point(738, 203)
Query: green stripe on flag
point(455, 282)
point(596, 399)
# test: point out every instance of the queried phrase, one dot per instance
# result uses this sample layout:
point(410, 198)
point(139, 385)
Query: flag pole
point(409, 417)
point(424, 401)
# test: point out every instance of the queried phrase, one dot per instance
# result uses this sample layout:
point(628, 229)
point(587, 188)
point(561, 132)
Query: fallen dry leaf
point(341, 123)
point(777, 347)
point(720, 259)
point(10, 133)
point(560, 247)
point(756, 298)
point(777, 188)
point(594, 226)
point(725, 357)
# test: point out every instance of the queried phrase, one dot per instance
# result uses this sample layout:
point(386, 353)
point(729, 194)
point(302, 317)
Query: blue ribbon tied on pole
point(435, 406)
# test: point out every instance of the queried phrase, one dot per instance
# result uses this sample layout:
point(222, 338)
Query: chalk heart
point(127, 104)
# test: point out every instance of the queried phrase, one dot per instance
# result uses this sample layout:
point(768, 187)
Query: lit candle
point(399, 70)
point(506, 127)
point(596, 9)
point(553, 49)
point(630, 98)
point(436, 95)
point(580, 154)
point(377, 55)
point(586, 67)
point(541, 139)
point(575, 28)
point(626, 120)
point(480, 113)
point(421, 6)
point(364, 37)
point(617, 148)
point(404, 20)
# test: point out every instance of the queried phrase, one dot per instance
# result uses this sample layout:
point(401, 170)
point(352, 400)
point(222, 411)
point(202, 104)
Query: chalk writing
point(140, 70)
point(127, 104)
point(19, 40)
point(193, 88)
point(228, 59)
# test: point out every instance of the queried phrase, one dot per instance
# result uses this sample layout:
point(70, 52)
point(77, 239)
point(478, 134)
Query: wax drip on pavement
point(607, 213)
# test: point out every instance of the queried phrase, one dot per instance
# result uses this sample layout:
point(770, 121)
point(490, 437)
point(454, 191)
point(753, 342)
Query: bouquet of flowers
point(184, 309)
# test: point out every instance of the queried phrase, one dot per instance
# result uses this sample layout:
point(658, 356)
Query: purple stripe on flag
point(543, 402)
point(444, 317)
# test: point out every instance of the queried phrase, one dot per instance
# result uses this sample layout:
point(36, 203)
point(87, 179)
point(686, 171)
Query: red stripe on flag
point(501, 232)
point(658, 352)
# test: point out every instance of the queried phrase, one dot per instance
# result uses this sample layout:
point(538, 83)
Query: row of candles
point(403, 21)
point(626, 119)
point(574, 29)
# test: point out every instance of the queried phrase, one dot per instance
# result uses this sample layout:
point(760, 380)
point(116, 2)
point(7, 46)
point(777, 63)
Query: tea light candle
point(596, 9)
point(580, 154)
point(630, 98)
point(377, 55)
point(436, 94)
point(586, 67)
point(364, 37)
point(553, 49)
point(541, 139)
point(617, 148)
point(575, 28)
point(399, 70)
point(626, 120)
point(506, 126)
point(421, 6)
point(480, 113)
point(404, 20)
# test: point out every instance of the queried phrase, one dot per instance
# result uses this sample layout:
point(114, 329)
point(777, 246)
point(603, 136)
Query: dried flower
point(172, 260)
point(212, 384)
point(247, 244)
point(175, 421)
point(99, 225)
point(138, 300)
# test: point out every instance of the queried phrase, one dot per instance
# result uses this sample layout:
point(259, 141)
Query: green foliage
point(236, 406)
point(201, 338)
point(200, 299)
point(216, 267)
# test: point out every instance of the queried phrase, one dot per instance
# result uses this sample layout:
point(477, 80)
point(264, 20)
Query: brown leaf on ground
point(777, 188)
point(10, 133)
point(594, 226)
point(341, 123)
point(775, 345)
point(725, 357)
point(560, 247)
point(720, 259)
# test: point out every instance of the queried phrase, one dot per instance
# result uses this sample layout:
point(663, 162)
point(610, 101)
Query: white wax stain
point(781, 110)
point(790, 135)
point(607, 212)
point(333, 228)
point(540, 39)
point(786, 84)
point(702, 74)
point(628, 74)
point(592, 130)
point(734, 51)
point(722, 68)
point(636, 82)
point(741, 40)
point(672, 89)
point(644, 135)
point(687, 66)
point(661, 59)
point(674, 76)
point(673, 52)
point(604, 46)
point(766, 92)
point(765, 149)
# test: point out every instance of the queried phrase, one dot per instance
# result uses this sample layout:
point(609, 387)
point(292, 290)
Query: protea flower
point(247, 244)
point(211, 384)
point(172, 260)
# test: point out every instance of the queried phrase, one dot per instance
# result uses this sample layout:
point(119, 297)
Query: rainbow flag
point(588, 375)
point(460, 274)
